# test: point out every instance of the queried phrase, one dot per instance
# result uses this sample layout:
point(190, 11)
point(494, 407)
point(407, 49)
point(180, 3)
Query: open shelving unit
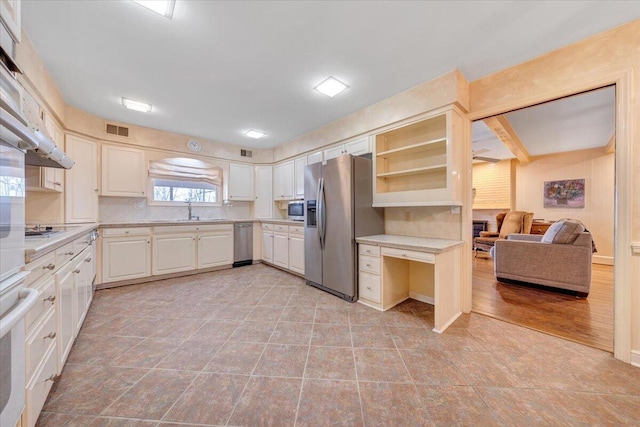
point(413, 163)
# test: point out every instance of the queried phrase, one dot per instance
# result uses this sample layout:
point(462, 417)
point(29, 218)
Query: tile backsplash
point(123, 209)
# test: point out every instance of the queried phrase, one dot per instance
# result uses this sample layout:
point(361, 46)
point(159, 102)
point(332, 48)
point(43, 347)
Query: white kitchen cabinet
point(81, 181)
point(299, 165)
point(283, 181)
point(356, 147)
point(126, 253)
point(124, 172)
point(173, 253)
point(314, 158)
point(10, 15)
point(83, 271)
point(267, 243)
point(240, 183)
point(65, 310)
point(44, 179)
point(296, 249)
point(281, 249)
point(263, 206)
point(215, 247)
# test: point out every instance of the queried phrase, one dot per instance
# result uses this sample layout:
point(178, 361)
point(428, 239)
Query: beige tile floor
point(255, 346)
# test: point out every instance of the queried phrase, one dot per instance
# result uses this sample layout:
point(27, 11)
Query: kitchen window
point(179, 180)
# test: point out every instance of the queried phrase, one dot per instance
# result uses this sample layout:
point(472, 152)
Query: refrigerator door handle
point(321, 213)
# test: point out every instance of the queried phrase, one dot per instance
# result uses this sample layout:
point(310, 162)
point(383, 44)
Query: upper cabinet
point(300, 163)
point(356, 147)
point(81, 181)
point(263, 206)
point(123, 171)
point(240, 183)
point(314, 158)
point(419, 163)
point(10, 16)
point(283, 181)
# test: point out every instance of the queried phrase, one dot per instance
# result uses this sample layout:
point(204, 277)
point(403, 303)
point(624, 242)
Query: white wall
point(598, 170)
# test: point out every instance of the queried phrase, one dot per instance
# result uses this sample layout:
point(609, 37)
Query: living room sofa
point(525, 258)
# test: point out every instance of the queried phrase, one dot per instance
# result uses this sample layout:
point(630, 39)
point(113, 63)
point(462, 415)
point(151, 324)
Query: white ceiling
point(574, 123)
point(220, 68)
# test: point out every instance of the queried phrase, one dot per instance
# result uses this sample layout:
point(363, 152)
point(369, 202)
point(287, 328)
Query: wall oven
point(295, 210)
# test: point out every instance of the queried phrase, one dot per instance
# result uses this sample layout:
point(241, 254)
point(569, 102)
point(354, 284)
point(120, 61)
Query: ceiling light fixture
point(254, 134)
point(331, 86)
point(136, 105)
point(162, 7)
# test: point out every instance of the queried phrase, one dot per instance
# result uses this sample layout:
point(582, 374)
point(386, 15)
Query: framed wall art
point(568, 193)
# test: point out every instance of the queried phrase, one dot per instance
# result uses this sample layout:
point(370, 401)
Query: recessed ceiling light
point(163, 7)
point(136, 105)
point(331, 86)
point(254, 134)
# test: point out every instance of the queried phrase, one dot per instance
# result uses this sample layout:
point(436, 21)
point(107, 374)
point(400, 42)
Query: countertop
point(422, 244)
point(35, 247)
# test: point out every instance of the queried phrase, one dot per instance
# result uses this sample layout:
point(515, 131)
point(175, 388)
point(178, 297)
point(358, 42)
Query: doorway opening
point(516, 157)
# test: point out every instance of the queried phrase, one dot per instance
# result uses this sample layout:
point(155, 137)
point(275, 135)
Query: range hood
point(41, 150)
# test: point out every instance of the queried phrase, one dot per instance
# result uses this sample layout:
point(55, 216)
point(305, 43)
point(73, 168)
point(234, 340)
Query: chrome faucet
point(189, 208)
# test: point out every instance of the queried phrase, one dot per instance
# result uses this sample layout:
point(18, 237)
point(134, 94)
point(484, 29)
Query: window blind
point(185, 169)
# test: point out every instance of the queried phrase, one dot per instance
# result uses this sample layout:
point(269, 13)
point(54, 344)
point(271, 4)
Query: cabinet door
point(278, 182)
point(240, 186)
point(53, 179)
point(10, 14)
point(281, 249)
point(81, 181)
point(264, 197)
point(358, 147)
point(296, 253)
point(174, 253)
point(81, 271)
point(126, 258)
point(300, 163)
point(314, 158)
point(267, 246)
point(215, 249)
point(123, 171)
point(334, 152)
point(288, 178)
point(65, 302)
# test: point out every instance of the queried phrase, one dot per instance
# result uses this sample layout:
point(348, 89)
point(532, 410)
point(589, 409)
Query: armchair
point(508, 222)
point(524, 258)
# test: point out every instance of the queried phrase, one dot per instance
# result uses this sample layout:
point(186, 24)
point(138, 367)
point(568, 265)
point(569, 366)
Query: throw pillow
point(512, 224)
point(564, 231)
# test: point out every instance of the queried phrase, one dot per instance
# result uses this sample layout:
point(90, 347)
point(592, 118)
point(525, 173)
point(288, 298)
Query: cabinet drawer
point(38, 389)
point(46, 300)
point(369, 250)
point(64, 254)
point(369, 287)
point(38, 342)
point(281, 228)
point(294, 229)
point(40, 268)
point(369, 264)
point(217, 227)
point(267, 226)
point(412, 255)
point(81, 243)
point(128, 231)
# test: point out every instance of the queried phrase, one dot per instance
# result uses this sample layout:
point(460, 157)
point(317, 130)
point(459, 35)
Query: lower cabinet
point(83, 283)
point(65, 308)
point(283, 246)
point(173, 253)
point(281, 249)
point(215, 248)
point(267, 243)
point(126, 254)
point(296, 249)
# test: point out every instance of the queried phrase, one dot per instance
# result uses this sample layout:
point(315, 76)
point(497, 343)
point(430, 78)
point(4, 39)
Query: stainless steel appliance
point(338, 199)
point(295, 210)
point(242, 244)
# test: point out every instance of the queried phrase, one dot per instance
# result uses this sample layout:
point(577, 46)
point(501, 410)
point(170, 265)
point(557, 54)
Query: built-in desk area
point(395, 268)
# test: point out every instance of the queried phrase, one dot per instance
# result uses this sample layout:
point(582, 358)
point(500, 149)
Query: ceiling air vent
point(246, 153)
point(117, 130)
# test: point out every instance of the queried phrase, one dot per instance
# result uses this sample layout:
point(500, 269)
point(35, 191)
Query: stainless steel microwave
point(295, 210)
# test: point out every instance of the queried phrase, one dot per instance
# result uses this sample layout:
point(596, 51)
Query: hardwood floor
point(588, 321)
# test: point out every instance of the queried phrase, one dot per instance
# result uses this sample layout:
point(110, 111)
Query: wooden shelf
point(411, 148)
point(414, 171)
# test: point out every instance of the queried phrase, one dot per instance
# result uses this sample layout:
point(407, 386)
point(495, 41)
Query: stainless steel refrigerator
point(338, 197)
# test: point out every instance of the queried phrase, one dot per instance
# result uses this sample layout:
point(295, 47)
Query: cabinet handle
point(51, 336)
point(86, 242)
point(57, 183)
point(50, 298)
point(126, 232)
point(96, 190)
point(53, 378)
point(369, 287)
point(77, 270)
point(148, 241)
point(68, 253)
point(368, 265)
point(49, 267)
point(88, 259)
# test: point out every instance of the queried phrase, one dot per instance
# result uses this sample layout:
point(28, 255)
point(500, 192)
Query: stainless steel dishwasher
point(242, 244)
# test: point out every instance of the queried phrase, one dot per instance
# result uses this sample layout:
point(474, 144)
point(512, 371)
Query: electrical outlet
point(407, 215)
point(138, 204)
point(455, 209)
